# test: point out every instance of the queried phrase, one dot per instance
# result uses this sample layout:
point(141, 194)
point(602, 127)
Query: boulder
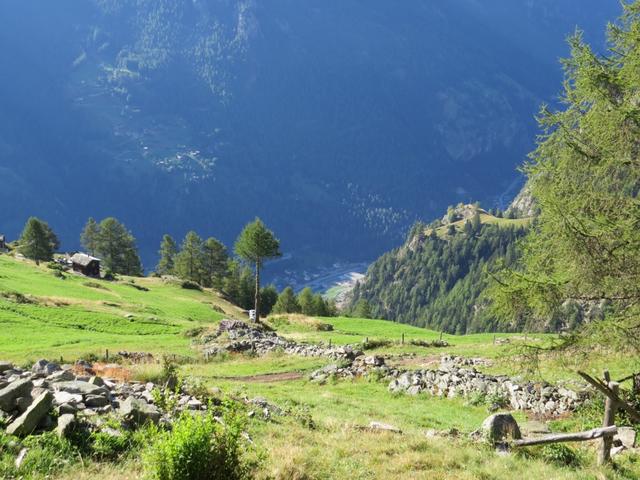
point(96, 381)
point(137, 412)
point(61, 376)
point(500, 427)
point(625, 437)
point(66, 397)
point(23, 403)
point(29, 420)
point(44, 368)
point(379, 426)
point(82, 388)
point(66, 424)
point(4, 366)
point(93, 401)
point(13, 391)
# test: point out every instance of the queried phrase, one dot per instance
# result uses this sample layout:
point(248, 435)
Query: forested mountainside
point(201, 114)
point(437, 278)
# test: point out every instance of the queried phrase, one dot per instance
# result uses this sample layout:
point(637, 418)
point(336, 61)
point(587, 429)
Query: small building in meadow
point(85, 264)
point(3, 243)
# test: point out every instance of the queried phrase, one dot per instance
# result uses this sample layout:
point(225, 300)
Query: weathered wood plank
point(566, 437)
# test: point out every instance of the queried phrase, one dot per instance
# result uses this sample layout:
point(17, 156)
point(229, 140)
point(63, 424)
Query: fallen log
point(566, 437)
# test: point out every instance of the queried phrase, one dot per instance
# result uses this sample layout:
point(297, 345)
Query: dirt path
point(265, 377)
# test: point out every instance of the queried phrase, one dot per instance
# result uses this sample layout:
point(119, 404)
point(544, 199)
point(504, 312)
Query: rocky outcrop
point(237, 336)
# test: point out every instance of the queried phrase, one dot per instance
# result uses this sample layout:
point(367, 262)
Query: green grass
point(75, 316)
point(323, 436)
point(485, 218)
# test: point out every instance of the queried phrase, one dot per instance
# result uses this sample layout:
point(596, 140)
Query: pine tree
point(255, 244)
point(38, 241)
point(287, 302)
point(320, 307)
point(268, 298)
point(117, 248)
point(168, 251)
point(90, 236)
point(362, 309)
point(214, 262)
point(189, 261)
point(305, 300)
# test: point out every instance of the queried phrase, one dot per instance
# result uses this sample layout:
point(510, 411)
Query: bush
point(199, 448)
point(189, 285)
point(561, 455)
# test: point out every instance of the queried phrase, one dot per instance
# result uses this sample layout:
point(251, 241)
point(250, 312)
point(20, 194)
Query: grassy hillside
point(486, 219)
point(43, 315)
point(323, 435)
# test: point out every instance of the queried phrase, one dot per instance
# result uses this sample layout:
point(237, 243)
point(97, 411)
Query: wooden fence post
point(403, 339)
point(610, 408)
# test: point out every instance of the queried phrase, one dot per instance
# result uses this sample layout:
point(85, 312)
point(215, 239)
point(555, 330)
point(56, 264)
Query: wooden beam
point(610, 409)
point(600, 386)
point(566, 437)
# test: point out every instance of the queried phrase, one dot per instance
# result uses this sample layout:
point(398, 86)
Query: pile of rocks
point(238, 336)
point(361, 366)
point(540, 398)
point(451, 361)
point(31, 399)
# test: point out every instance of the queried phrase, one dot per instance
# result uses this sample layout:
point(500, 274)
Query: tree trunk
point(257, 298)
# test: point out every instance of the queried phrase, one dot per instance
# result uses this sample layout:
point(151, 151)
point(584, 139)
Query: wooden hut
point(86, 264)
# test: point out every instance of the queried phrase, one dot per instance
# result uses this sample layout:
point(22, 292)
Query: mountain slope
point(179, 114)
point(438, 277)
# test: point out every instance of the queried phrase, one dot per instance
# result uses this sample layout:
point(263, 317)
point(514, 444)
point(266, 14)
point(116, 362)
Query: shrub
point(561, 455)
point(109, 275)
point(199, 448)
point(189, 285)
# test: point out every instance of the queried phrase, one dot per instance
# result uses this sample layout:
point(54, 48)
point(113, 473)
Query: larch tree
point(168, 251)
point(38, 241)
point(189, 260)
point(256, 244)
point(90, 236)
point(585, 177)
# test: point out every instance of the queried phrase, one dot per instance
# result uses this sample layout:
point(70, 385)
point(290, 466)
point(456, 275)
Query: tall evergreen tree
point(305, 300)
point(287, 302)
point(168, 251)
point(214, 262)
point(90, 236)
point(189, 261)
point(117, 248)
point(585, 177)
point(255, 244)
point(268, 298)
point(37, 241)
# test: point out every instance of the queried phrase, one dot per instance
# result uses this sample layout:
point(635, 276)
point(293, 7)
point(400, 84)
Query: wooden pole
point(604, 388)
point(402, 338)
point(566, 437)
point(610, 408)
